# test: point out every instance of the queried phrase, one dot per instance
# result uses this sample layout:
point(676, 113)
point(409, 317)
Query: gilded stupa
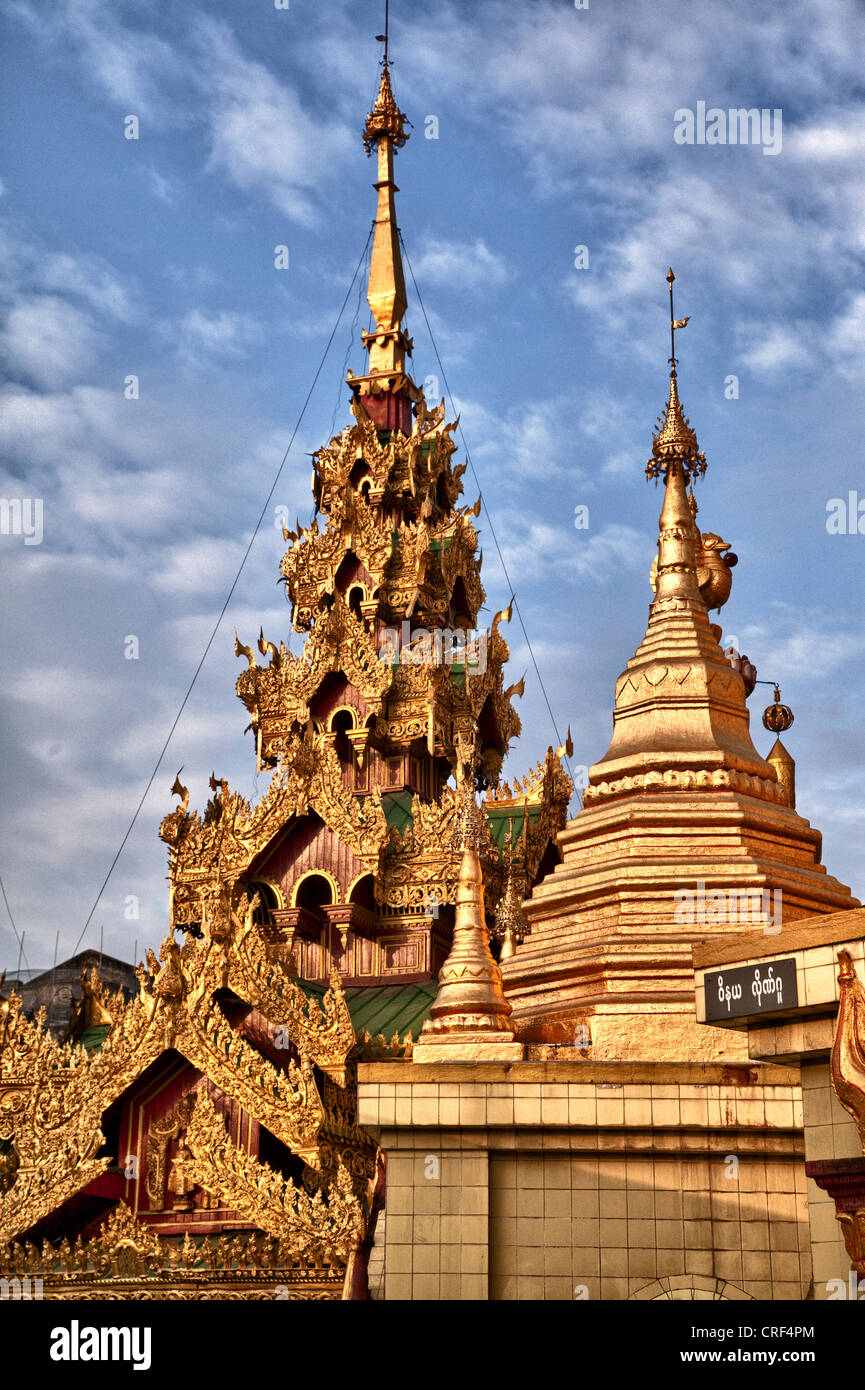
point(681, 803)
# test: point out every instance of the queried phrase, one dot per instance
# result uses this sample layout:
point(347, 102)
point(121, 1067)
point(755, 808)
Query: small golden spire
point(675, 440)
point(386, 292)
point(386, 390)
point(511, 926)
point(470, 1017)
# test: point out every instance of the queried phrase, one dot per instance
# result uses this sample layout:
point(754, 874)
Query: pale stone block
point(585, 1202)
point(503, 1231)
point(582, 1111)
point(784, 1236)
point(755, 1235)
point(756, 1264)
point(557, 1288)
point(642, 1263)
point(473, 1172)
point(668, 1206)
point(449, 1110)
point(424, 1286)
point(557, 1230)
point(670, 1235)
point(612, 1288)
point(557, 1260)
point(473, 1110)
point(503, 1288)
point(531, 1290)
point(426, 1259)
point(612, 1172)
point(696, 1206)
point(505, 1201)
point(427, 1199)
point(530, 1259)
point(450, 1286)
point(584, 1172)
point(614, 1260)
point(557, 1171)
point(400, 1229)
point(474, 1229)
point(475, 1201)
point(531, 1202)
point(779, 1113)
point(613, 1233)
point(613, 1204)
point(527, 1109)
point(785, 1265)
point(399, 1200)
point(665, 1112)
point(553, 1111)
point(500, 1111)
point(697, 1235)
point(398, 1287)
point(474, 1287)
point(425, 1111)
point(695, 1112)
point(641, 1235)
point(780, 1179)
point(475, 1257)
point(637, 1112)
point(450, 1201)
point(641, 1205)
point(398, 1258)
point(450, 1257)
point(728, 1265)
point(698, 1261)
point(611, 1110)
point(820, 984)
point(587, 1265)
point(750, 1112)
point(584, 1233)
point(791, 1292)
point(557, 1202)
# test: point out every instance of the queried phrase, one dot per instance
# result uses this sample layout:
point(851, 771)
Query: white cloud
point(465, 265)
point(204, 565)
point(261, 136)
point(221, 334)
point(536, 550)
point(90, 279)
point(50, 342)
point(774, 349)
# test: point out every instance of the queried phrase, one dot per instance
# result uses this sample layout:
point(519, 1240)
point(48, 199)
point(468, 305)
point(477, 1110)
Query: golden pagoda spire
point(680, 711)
point(470, 1017)
point(386, 389)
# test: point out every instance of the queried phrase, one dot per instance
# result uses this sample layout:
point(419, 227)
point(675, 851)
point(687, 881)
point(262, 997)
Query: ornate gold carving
point(323, 1228)
point(847, 1062)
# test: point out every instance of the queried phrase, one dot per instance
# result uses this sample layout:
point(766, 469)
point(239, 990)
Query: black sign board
point(751, 989)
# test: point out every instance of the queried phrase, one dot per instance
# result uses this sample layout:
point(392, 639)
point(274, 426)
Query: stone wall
point(545, 1181)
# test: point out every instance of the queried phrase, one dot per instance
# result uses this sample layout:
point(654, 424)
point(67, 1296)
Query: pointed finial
point(675, 441)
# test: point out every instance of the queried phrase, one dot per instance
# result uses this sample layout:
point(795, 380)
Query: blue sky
point(155, 258)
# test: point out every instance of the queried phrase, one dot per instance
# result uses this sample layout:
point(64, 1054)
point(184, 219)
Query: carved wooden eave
point(126, 1260)
point(53, 1096)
